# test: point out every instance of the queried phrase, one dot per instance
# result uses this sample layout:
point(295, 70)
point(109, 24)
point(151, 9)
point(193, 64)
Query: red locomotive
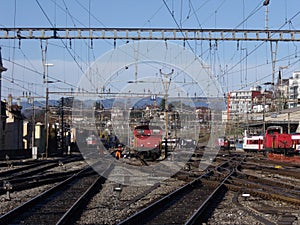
point(147, 141)
point(275, 141)
point(223, 143)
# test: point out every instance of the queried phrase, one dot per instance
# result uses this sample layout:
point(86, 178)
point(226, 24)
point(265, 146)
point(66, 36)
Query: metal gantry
point(150, 34)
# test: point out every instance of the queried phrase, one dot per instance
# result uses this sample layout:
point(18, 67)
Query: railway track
point(25, 183)
point(249, 212)
point(188, 204)
point(268, 182)
point(228, 205)
point(272, 170)
point(264, 187)
point(35, 168)
point(16, 163)
point(36, 174)
point(60, 204)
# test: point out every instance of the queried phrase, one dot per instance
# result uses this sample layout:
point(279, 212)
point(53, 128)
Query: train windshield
point(145, 131)
point(156, 132)
point(274, 130)
point(139, 132)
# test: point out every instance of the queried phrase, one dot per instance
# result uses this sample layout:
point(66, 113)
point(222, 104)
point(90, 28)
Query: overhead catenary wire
point(262, 43)
point(90, 16)
point(39, 73)
point(64, 44)
point(14, 44)
point(190, 47)
point(209, 49)
point(217, 52)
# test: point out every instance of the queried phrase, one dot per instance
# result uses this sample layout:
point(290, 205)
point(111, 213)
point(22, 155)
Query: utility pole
point(266, 3)
point(33, 147)
point(31, 101)
point(264, 107)
point(166, 86)
point(47, 108)
point(273, 52)
point(289, 123)
point(280, 88)
point(2, 69)
point(46, 119)
point(62, 126)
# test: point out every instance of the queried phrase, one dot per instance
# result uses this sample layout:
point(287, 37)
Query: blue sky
point(24, 62)
point(133, 13)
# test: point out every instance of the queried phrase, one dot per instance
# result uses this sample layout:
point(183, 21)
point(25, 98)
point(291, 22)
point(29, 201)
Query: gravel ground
point(13, 164)
point(234, 209)
point(69, 166)
point(273, 177)
point(104, 208)
point(229, 213)
point(110, 206)
point(20, 197)
point(243, 211)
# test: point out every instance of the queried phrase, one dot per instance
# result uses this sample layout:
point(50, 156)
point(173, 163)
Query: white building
point(294, 90)
point(241, 103)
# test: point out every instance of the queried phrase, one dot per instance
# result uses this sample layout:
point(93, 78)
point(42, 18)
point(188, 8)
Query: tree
point(162, 104)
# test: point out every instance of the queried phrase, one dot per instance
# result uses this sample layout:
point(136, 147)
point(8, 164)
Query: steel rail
point(74, 211)
point(30, 182)
point(198, 214)
point(33, 169)
point(134, 219)
point(149, 210)
point(11, 215)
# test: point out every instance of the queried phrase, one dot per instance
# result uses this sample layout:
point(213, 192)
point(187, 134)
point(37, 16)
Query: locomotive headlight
point(142, 145)
point(155, 145)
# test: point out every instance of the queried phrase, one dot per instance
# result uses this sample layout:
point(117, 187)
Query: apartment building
point(294, 90)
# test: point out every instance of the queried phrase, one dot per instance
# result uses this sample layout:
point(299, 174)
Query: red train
point(276, 141)
point(147, 141)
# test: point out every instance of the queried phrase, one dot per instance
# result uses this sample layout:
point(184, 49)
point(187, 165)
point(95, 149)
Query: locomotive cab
point(276, 141)
point(147, 141)
point(274, 130)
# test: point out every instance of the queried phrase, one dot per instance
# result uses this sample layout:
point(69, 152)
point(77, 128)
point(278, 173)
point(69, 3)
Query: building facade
point(11, 137)
point(294, 90)
point(13, 131)
point(242, 103)
point(2, 123)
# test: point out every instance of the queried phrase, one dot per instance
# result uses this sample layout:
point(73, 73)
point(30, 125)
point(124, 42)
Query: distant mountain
point(143, 102)
point(137, 103)
point(38, 107)
point(38, 104)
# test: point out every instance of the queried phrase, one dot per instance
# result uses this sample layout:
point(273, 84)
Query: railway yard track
point(32, 167)
point(58, 204)
point(37, 173)
point(236, 188)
